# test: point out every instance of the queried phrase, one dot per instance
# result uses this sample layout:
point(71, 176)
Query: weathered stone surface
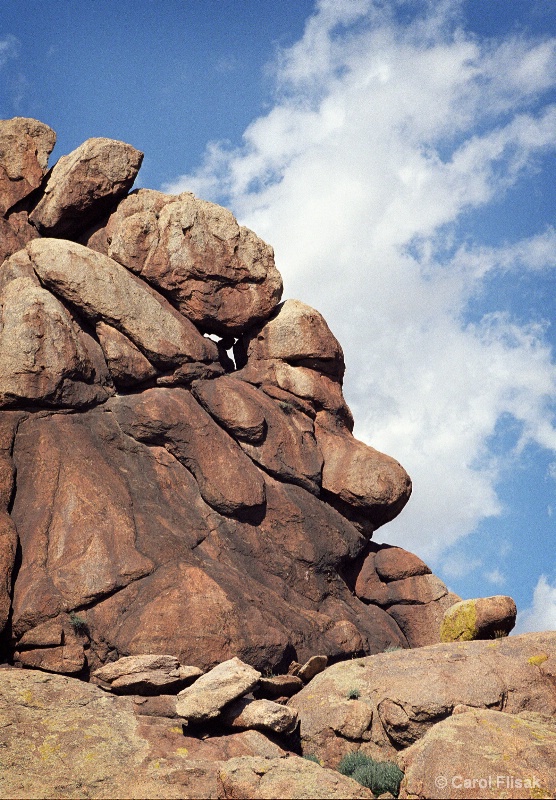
point(406, 692)
point(299, 335)
point(69, 502)
point(361, 477)
point(8, 549)
point(43, 359)
point(61, 737)
point(215, 689)
point(145, 674)
point(290, 778)
point(227, 479)
point(67, 659)
point(235, 406)
point(482, 754)
point(288, 450)
point(395, 564)
point(261, 715)
point(25, 145)
point(278, 686)
point(126, 363)
point(220, 275)
point(421, 623)
point(48, 634)
point(84, 184)
point(480, 618)
point(104, 290)
point(312, 667)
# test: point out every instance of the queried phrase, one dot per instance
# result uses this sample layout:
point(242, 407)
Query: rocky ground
point(186, 524)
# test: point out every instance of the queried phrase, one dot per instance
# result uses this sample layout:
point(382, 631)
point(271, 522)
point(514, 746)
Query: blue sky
point(400, 157)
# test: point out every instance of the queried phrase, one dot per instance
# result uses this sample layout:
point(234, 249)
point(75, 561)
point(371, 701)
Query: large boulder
point(84, 184)
point(25, 145)
point(480, 754)
point(384, 703)
point(219, 274)
point(479, 618)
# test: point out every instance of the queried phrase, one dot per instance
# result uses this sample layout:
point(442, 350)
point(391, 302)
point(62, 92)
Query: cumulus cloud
point(386, 131)
point(542, 614)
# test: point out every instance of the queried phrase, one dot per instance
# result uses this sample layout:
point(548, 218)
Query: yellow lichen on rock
point(460, 622)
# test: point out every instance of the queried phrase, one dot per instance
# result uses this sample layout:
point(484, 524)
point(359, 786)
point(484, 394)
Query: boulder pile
point(178, 472)
point(186, 523)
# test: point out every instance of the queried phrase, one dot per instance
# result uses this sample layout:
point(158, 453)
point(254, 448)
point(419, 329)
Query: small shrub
point(499, 634)
point(311, 757)
point(378, 776)
point(392, 648)
point(78, 624)
point(351, 762)
point(287, 408)
point(353, 694)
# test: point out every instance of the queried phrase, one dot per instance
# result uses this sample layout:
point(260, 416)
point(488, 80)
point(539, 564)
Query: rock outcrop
point(178, 468)
point(185, 517)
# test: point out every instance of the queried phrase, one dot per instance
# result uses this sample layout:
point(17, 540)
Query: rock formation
point(178, 468)
point(185, 517)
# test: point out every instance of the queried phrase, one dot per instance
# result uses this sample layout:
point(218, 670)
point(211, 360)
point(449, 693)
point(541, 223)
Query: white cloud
point(9, 48)
point(382, 136)
point(542, 614)
point(495, 577)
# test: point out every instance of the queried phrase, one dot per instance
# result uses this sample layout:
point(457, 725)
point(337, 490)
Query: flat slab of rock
point(215, 689)
point(481, 754)
point(261, 715)
point(83, 185)
point(145, 674)
point(290, 778)
point(279, 686)
point(312, 667)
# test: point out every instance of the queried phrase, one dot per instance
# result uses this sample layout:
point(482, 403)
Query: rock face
point(483, 753)
point(480, 618)
point(384, 703)
point(187, 483)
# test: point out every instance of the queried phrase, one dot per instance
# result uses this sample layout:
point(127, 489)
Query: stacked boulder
point(178, 470)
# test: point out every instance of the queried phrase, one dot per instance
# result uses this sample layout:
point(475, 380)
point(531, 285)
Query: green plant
point(287, 408)
point(499, 634)
point(353, 694)
point(392, 648)
point(78, 624)
point(378, 776)
point(311, 757)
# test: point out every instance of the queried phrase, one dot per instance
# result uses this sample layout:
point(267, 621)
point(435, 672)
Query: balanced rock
point(480, 618)
point(146, 674)
point(216, 689)
point(263, 715)
point(83, 185)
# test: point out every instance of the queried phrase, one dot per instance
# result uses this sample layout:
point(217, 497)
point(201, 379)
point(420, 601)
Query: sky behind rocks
point(400, 158)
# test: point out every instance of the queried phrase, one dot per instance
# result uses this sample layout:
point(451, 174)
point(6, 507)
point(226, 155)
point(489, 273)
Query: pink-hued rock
point(361, 477)
point(43, 358)
point(216, 689)
point(481, 754)
point(263, 715)
point(84, 184)
point(290, 778)
point(227, 479)
point(220, 275)
point(103, 290)
point(235, 406)
point(407, 692)
point(126, 363)
point(395, 564)
point(25, 145)
point(299, 335)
